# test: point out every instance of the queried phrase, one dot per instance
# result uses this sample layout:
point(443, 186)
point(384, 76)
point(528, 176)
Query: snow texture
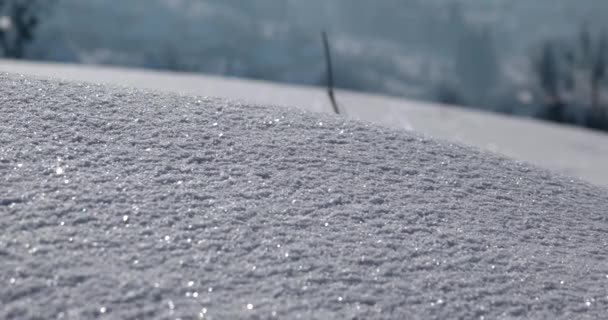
point(126, 204)
point(573, 151)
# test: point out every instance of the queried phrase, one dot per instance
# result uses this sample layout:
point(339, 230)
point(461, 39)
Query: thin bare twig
point(330, 75)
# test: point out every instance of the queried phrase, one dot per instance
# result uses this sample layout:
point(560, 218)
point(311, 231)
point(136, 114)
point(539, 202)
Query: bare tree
point(475, 61)
point(598, 72)
point(19, 20)
point(547, 70)
point(571, 74)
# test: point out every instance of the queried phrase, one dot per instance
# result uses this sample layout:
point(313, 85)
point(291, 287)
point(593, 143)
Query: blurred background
point(545, 59)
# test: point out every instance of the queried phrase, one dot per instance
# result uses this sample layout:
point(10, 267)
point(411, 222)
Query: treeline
point(572, 79)
point(567, 80)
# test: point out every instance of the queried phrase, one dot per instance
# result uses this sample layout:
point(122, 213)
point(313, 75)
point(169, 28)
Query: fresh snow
point(120, 203)
point(573, 151)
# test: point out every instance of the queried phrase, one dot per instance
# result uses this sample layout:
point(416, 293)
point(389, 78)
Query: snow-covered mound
point(573, 151)
point(126, 204)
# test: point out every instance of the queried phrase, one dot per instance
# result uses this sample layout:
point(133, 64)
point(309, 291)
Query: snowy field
point(120, 203)
point(573, 151)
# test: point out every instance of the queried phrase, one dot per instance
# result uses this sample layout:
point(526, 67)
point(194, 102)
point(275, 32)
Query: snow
point(275, 212)
point(576, 152)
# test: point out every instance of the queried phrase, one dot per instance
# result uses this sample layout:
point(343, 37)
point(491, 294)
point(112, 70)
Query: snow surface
point(127, 204)
point(573, 151)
